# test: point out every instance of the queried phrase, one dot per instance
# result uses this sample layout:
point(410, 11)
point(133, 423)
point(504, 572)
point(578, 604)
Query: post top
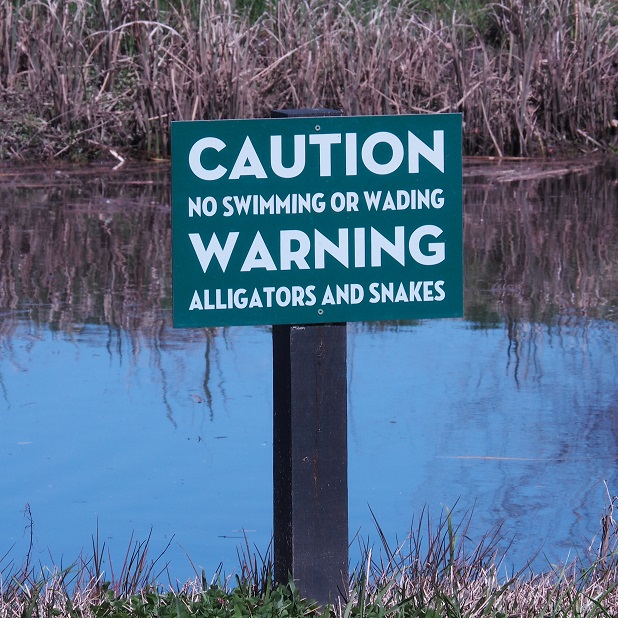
point(305, 112)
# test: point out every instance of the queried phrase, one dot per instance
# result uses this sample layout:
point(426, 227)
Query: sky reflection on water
point(98, 433)
point(517, 440)
point(110, 420)
point(95, 436)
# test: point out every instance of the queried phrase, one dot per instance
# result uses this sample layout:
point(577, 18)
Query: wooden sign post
point(310, 450)
point(310, 459)
point(312, 219)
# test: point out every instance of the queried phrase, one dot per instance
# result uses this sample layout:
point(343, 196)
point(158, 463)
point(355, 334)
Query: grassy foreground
point(84, 78)
point(435, 573)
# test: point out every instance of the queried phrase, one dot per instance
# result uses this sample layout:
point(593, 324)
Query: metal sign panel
point(315, 220)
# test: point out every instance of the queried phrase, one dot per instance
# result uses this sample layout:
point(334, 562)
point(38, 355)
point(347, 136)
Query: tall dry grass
point(436, 572)
point(82, 77)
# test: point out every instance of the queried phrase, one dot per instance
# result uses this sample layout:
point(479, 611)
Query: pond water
point(114, 424)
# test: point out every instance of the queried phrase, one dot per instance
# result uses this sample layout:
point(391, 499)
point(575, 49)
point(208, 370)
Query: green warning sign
point(322, 219)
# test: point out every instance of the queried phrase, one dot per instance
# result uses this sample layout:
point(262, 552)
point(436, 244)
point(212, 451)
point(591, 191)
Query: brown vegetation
point(80, 78)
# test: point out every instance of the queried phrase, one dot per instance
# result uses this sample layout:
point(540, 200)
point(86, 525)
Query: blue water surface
point(107, 433)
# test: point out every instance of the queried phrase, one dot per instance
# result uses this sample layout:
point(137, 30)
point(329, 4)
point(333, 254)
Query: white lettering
point(204, 255)
point(298, 256)
point(196, 303)
point(258, 256)
point(437, 248)
point(325, 141)
point(382, 153)
point(367, 153)
point(247, 163)
point(379, 243)
point(276, 157)
point(323, 245)
point(434, 155)
point(195, 158)
point(372, 199)
point(351, 163)
point(206, 205)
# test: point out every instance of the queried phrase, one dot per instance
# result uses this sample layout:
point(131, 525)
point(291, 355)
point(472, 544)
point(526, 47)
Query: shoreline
point(438, 571)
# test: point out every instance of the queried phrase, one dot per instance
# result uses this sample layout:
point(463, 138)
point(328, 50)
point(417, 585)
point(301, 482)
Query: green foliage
point(254, 9)
point(214, 602)
point(445, 8)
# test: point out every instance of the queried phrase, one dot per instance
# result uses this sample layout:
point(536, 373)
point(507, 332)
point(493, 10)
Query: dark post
point(310, 453)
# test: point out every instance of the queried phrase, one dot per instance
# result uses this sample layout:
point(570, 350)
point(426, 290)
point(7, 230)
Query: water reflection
point(80, 246)
point(110, 417)
point(541, 241)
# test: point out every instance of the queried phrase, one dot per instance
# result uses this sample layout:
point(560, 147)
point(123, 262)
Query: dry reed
point(437, 572)
point(80, 78)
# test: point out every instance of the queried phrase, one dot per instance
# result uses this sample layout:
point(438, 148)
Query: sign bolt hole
point(317, 127)
point(320, 311)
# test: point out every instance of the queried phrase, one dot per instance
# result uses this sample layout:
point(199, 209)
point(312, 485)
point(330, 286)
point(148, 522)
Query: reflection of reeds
point(543, 246)
point(83, 246)
point(86, 250)
point(79, 76)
